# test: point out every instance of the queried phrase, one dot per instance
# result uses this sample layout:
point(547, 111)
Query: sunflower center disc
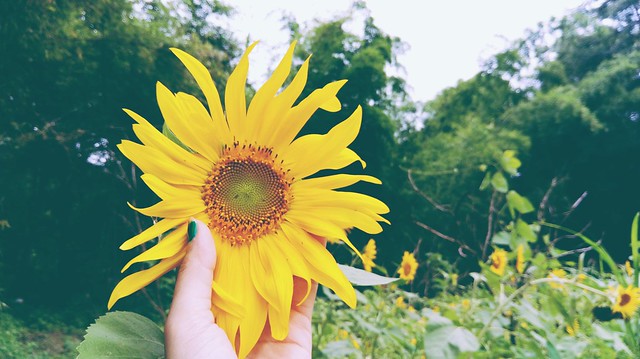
point(246, 194)
point(624, 299)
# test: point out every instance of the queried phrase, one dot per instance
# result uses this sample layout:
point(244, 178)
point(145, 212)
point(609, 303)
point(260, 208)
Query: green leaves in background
point(122, 335)
point(518, 203)
point(444, 340)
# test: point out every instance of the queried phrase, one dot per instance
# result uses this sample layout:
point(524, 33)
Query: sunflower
point(498, 261)
point(244, 173)
point(520, 262)
point(627, 301)
point(628, 268)
point(408, 267)
point(369, 254)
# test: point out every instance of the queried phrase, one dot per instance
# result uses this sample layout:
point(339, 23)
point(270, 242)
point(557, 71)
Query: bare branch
point(574, 206)
point(445, 237)
point(487, 238)
point(545, 198)
point(440, 207)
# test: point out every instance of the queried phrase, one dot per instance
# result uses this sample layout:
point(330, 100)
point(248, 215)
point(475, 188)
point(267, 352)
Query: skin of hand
point(191, 331)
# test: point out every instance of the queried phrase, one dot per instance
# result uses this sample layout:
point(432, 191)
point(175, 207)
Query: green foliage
point(44, 340)
point(119, 334)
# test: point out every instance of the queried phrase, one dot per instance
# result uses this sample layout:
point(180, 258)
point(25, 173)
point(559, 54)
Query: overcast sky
point(448, 40)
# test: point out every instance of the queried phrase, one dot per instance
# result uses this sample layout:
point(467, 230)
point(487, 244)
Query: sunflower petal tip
point(125, 247)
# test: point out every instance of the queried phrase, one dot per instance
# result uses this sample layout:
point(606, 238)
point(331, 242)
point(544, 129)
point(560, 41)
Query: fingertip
point(202, 243)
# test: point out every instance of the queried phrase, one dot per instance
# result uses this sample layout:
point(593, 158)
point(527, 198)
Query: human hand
point(191, 331)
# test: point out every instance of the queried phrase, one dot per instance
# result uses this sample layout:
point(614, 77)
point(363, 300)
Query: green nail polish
point(192, 230)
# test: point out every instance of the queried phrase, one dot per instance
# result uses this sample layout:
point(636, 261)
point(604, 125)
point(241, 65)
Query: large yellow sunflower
point(247, 175)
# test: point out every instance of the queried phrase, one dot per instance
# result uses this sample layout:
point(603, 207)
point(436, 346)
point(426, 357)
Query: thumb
point(193, 286)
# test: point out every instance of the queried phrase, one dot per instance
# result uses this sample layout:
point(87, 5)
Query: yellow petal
point(235, 100)
point(273, 279)
point(265, 96)
point(343, 159)
point(337, 181)
point(226, 302)
point(271, 274)
point(232, 273)
point(185, 120)
point(155, 162)
point(200, 124)
point(279, 107)
point(310, 154)
point(321, 263)
point(204, 80)
point(152, 232)
point(320, 227)
point(150, 136)
point(298, 116)
point(168, 246)
point(315, 225)
point(329, 198)
point(168, 191)
point(296, 263)
point(227, 322)
point(332, 105)
point(345, 218)
point(136, 281)
point(174, 208)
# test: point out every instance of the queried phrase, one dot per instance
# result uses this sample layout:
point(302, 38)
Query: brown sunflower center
point(624, 299)
point(407, 268)
point(246, 194)
point(496, 262)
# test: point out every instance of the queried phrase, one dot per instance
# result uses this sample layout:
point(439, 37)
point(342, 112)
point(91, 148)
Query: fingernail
point(192, 230)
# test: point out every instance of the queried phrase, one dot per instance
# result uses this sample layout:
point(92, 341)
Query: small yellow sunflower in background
point(369, 254)
point(572, 329)
point(400, 303)
point(520, 262)
point(557, 273)
point(408, 267)
point(628, 268)
point(498, 261)
point(246, 175)
point(627, 301)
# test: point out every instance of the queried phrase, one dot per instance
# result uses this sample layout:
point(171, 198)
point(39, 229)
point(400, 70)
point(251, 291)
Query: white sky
point(448, 40)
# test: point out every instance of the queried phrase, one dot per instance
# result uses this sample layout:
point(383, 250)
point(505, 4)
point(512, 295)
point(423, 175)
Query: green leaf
point(464, 340)
point(553, 352)
point(122, 335)
point(448, 341)
point(499, 183)
point(170, 135)
point(525, 231)
point(519, 203)
point(362, 277)
point(502, 238)
point(486, 181)
point(509, 162)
